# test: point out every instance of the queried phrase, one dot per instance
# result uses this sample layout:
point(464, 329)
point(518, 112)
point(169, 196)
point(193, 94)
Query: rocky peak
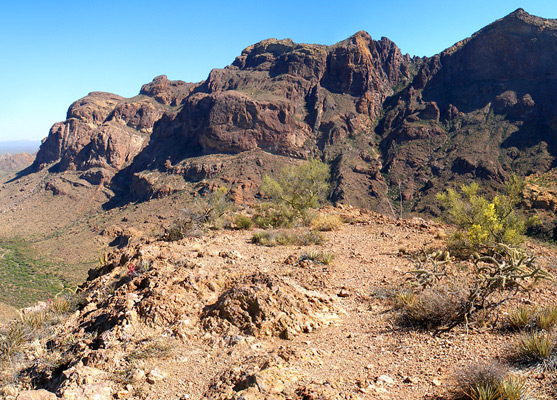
point(266, 50)
point(167, 92)
point(101, 130)
point(503, 56)
point(94, 107)
point(360, 64)
point(521, 15)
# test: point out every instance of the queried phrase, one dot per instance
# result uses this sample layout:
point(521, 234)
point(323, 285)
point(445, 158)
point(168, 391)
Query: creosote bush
point(293, 192)
point(204, 211)
point(483, 224)
point(243, 222)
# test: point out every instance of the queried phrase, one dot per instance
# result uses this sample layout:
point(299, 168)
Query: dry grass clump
point(189, 225)
point(37, 324)
point(521, 318)
point(433, 307)
point(284, 238)
point(536, 348)
point(326, 222)
point(62, 305)
point(489, 381)
point(546, 318)
point(12, 339)
point(151, 349)
point(322, 257)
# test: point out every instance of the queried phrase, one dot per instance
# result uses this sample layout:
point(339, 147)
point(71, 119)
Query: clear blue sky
point(54, 52)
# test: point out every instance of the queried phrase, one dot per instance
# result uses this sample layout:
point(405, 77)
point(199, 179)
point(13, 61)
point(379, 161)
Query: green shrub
point(243, 222)
point(483, 224)
point(295, 190)
point(270, 215)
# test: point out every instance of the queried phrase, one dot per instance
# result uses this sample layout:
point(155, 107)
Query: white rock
point(385, 380)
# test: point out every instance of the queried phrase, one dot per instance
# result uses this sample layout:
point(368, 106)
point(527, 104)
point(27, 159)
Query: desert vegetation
point(26, 277)
point(292, 193)
point(483, 225)
point(490, 266)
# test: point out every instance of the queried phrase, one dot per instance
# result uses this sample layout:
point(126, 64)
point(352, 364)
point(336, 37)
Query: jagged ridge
point(481, 109)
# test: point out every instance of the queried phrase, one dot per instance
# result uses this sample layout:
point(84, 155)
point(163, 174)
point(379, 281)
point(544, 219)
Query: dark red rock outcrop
point(169, 93)
point(482, 109)
point(101, 130)
point(390, 126)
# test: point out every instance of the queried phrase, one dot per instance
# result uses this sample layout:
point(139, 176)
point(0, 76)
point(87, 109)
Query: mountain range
point(392, 128)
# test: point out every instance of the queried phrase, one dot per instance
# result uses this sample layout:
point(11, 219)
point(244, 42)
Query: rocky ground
point(218, 317)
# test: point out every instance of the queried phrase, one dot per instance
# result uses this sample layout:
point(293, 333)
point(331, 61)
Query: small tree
point(482, 224)
point(298, 188)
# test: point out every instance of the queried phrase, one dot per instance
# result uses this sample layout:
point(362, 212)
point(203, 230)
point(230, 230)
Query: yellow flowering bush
point(483, 224)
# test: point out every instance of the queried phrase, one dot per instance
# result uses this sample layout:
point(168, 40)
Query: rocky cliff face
point(482, 109)
point(104, 131)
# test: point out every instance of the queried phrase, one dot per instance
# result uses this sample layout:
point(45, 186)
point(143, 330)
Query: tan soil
point(253, 321)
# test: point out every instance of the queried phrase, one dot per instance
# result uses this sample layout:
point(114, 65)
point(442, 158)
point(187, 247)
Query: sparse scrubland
point(458, 311)
point(227, 276)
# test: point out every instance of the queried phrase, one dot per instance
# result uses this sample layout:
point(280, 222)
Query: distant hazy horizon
point(19, 146)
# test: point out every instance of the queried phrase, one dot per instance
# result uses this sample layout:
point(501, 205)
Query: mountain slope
point(482, 109)
point(392, 128)
point(286, 99)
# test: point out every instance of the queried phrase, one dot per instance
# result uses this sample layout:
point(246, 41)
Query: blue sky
point(54, 52)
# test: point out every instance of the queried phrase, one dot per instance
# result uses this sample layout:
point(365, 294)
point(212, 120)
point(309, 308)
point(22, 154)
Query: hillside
point(392, 128)
point(15, 162)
